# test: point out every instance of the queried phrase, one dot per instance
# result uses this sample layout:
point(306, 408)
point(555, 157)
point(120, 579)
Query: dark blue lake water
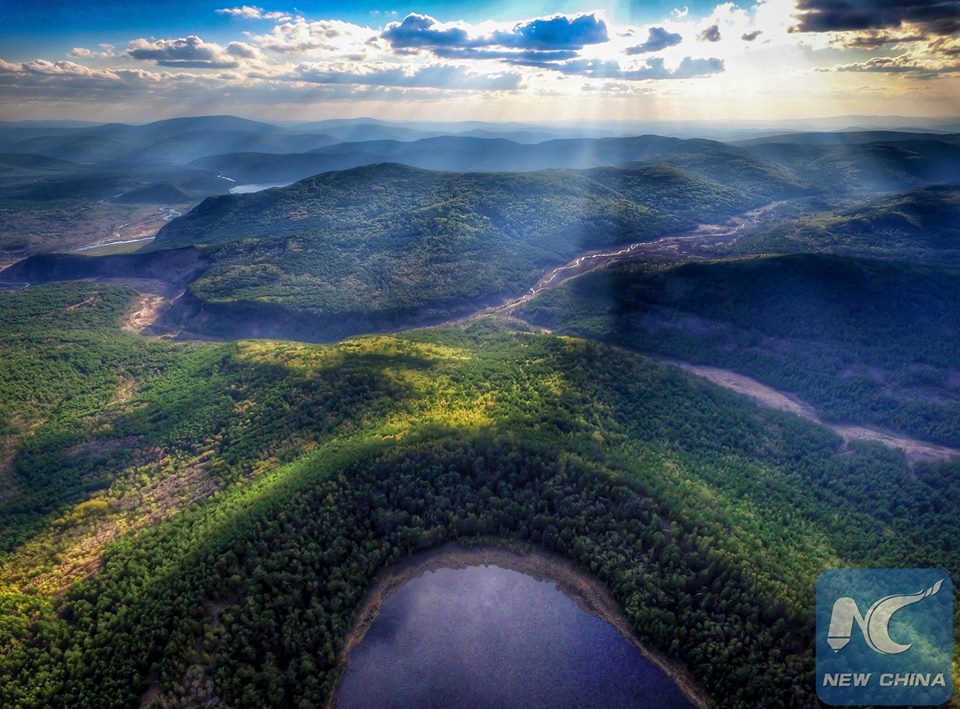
point(484, 636)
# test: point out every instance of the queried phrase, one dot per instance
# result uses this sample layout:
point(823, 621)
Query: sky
point(526, 61)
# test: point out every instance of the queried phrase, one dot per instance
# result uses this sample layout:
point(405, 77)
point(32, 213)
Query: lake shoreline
point(583, 588)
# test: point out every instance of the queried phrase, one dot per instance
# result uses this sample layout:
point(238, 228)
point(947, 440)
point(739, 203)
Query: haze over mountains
point(455, 220)
point(119, 175)
point(226, 141)
point(182, 140)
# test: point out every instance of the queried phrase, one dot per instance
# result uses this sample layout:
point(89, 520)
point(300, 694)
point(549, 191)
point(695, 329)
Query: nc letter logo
point(884, 637)
point(875, 626)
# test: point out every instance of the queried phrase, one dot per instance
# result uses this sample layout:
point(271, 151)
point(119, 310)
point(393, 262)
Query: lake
point(489, 636)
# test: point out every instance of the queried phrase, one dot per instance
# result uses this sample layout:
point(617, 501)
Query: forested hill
point(920, 225)
point(196, 523)
point(548, 208)
point(388, 245)
point(861, 340)
point(384, 246)
point(867, 167)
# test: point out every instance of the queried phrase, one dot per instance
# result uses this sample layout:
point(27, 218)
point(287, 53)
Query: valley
point(421, 395)
point(482, 355)
point(703, 242)
point(677, 377)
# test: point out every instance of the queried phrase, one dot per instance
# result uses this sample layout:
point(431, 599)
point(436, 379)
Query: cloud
point(612, 87)
point(680, 12)
point(657, 38)
point(690, 68)
point(940, 17)
point(534, 43)
point(417, 31)
point(106, 50)
point(653, 69)
point(300, 36)
point(47, 80)
point(711, 34)
point(516, 57)
point(185, 52)
point(242, 50)
point(424, 31)
point(945, 46)
point(418, 58)
point(46, 67)
point(558, 32)
point(252, 12)
point(874, 40)
point(431, 76)
point(902, 64)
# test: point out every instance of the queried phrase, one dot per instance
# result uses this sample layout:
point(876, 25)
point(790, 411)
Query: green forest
point(430, 240)
point(922, 225)
point(320, 259)
point(859, 340)
point(515, 355)
point(237, 500)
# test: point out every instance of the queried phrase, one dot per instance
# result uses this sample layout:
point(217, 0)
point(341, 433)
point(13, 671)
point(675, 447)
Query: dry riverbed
point(913, 449)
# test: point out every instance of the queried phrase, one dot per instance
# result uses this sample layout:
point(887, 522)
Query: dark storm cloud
point(940, 17)
point(552, 33)
point(711, 34)
point(657, 38)
point(750, 36)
